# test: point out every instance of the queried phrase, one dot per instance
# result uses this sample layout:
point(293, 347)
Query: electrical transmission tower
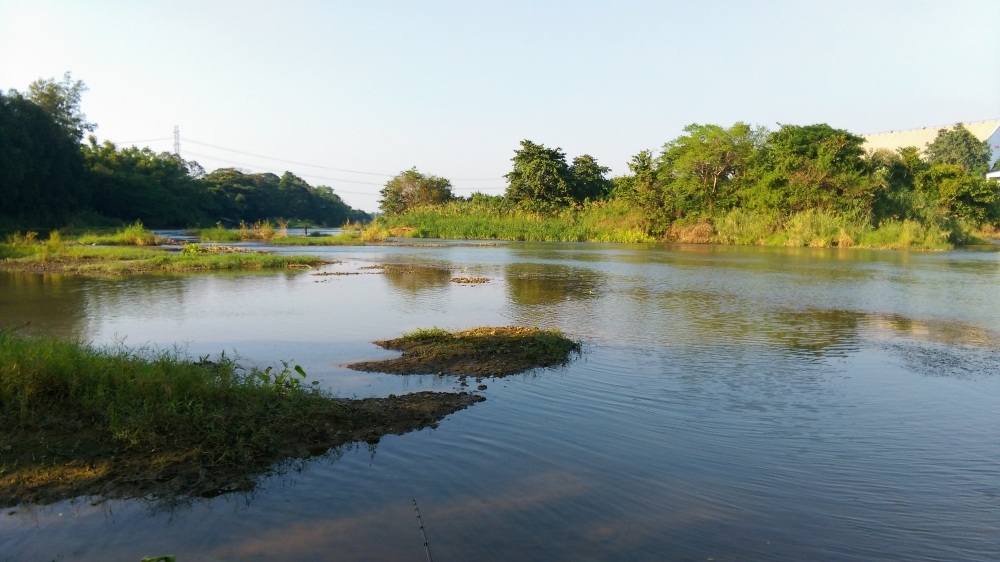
point(177, 141)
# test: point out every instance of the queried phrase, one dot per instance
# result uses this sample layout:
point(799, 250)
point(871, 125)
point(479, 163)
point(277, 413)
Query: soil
point(56, 464)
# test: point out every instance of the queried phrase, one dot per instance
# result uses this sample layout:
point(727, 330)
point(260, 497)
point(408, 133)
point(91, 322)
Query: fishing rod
point(427, 545)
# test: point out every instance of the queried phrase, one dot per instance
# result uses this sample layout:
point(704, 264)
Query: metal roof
point(919, 138)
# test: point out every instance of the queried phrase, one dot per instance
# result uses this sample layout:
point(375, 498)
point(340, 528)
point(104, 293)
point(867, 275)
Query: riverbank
point(617, 221)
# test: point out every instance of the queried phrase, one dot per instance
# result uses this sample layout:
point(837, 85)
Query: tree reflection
point(43, 304)
point(531, 284)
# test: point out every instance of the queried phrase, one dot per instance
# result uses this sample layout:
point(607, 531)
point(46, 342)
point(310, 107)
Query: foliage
point(960, 147)
point(705, 168)
point(61, 100)
point(540, 180)
point(413, 189)
point(588, 179)
point(41, 168)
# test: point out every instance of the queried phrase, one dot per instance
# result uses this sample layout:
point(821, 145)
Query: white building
point(988, 131)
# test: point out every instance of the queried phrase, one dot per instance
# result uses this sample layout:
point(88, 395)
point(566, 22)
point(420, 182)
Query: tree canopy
point(413, 189)
point(959, 146)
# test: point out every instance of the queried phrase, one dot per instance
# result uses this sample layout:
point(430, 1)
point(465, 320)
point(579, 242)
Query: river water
point(729, 404)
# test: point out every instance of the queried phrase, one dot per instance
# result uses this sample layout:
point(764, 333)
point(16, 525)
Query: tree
point(138, 184)
point(959, 146)
point(587, 179)
point(411, 189)
point(702, 169)
point(540, 180)
point(61, 100)
point(41, 169)
point(815, 167)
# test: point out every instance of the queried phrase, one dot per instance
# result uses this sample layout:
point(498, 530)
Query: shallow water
point(730, 403)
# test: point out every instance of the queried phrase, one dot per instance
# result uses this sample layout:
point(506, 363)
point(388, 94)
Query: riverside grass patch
point(605, 221)
point(134, 234)
point(130, 260)
point(78, 420)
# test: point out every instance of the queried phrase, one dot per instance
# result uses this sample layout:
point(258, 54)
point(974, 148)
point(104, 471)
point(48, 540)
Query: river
point(730, 403)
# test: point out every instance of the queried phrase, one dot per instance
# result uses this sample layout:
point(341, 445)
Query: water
point(730, 404)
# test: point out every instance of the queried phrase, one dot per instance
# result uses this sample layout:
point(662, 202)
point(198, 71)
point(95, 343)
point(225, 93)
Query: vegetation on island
point(808, 185)
point(78, 420)
point(123, 253)
point(480, 352)
point(52, 177)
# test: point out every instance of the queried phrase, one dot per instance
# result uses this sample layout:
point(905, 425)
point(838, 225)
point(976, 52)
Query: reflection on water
point(730, 403)
point(42, 304)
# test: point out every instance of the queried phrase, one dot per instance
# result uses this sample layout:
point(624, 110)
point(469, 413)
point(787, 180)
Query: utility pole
point(177, 141)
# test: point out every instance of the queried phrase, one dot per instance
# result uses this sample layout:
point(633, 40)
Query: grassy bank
point(118, 422)
point(617, 221)
point(461, 220)
point(488, 351)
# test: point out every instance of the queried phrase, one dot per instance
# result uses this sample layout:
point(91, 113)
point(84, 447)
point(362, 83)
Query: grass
point(262, 231)
point(606, 221)
point(487, 351)
point(134, 234)
point(618, 221)
point(22, 253)
point(117, 421)
point(343, 239)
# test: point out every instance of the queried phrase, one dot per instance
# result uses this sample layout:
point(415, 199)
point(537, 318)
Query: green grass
point(80, 420)
point(596, 222)
point(344, 239)
point(146, 399)
point(134, 234)
point(97, 260)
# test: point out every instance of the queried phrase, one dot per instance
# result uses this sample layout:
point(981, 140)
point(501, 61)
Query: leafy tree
point(959, 146)
point(815, 167)
point(61, 100)
point(540, 180)
point(587, 179)
point(962, 195)
point(703, 168)
point(41, 169)
point(413, 189)
point(896, 174)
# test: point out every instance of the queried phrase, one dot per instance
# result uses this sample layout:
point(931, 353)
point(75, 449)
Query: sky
point(349, 94)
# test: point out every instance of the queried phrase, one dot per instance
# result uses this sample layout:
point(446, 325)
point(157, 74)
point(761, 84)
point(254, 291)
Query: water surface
point(731, 403)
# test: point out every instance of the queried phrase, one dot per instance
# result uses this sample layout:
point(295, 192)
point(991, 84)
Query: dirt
point(64, 463)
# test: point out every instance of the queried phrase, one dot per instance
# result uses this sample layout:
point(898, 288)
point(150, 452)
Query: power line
point(315, 165)
point(139, 141)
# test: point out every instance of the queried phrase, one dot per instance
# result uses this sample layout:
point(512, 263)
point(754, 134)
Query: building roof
point(919, 138)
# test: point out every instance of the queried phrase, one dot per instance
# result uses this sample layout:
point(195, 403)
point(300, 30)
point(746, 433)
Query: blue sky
point(329, 89)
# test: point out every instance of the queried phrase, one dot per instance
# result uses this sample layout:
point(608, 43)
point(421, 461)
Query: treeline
point(50, 178)
point(745, 184)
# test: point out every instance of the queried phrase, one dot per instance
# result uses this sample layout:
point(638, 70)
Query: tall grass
point(146, 399)
point(262, 231)
point(610, 221)
point(134, 234)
